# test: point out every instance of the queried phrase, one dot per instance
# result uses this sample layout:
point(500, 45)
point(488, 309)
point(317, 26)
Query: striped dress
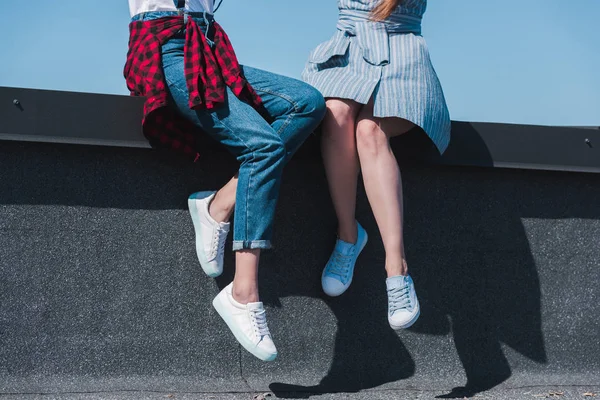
point(388, 61)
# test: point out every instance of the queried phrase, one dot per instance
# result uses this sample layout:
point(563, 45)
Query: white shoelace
point(399, 299)
point(259, 322)
point(340, 265)
point(218, 242)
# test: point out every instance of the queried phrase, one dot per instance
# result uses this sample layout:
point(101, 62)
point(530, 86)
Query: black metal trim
point(112, 120)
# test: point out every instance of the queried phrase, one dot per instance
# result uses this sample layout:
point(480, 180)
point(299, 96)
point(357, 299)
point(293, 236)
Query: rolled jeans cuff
point(251, 244)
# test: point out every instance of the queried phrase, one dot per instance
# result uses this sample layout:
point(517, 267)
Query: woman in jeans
point(181, 60)
point(378, 81)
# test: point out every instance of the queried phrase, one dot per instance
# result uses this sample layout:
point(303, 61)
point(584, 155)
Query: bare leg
point(383, 182)
point(245, 281)
point(338, 147)
point(223, 204)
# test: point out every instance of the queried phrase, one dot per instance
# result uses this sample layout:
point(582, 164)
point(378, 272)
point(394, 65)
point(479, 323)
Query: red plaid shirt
point(207, 70)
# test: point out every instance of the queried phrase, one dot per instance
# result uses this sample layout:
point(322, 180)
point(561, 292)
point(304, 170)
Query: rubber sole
point(409, 323)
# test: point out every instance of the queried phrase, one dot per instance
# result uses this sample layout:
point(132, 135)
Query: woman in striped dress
point(378, 80)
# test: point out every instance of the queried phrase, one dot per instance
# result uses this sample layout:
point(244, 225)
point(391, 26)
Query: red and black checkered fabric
point(208, 71)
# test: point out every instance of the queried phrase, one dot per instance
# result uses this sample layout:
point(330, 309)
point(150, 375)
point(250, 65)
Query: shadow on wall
point(466, 246)
point(470, 259)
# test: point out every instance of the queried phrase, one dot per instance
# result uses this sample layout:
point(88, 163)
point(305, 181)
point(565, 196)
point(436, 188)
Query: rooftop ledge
point(114, 120)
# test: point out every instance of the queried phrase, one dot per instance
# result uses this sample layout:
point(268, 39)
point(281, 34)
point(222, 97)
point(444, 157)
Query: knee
point(341, 112)
point(313, 102)
point(339, 120)
point(272, 152)
point(370, 139)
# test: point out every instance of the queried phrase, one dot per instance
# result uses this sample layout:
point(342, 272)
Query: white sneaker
point(403, 305)
point(248, 323)
point(337, 274)
point(210, 234)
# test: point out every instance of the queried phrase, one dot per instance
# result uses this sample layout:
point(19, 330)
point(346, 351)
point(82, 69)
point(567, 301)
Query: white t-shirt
point(139, 6)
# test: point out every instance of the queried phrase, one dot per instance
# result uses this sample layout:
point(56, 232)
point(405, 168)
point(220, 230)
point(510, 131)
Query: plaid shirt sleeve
point(208, 71)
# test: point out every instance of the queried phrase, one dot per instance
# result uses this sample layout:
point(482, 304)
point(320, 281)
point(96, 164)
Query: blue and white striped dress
point(386, 60)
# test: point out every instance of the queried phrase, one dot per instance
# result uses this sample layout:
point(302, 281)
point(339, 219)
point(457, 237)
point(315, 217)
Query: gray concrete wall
point(100, 288)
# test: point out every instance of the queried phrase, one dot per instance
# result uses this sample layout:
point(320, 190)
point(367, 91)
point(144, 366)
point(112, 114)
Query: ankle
point(220, 211)
point(348, 234)
point(245, 295)
point(396, 268)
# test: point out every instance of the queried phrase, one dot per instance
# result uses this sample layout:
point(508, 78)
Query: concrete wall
point(100, 288)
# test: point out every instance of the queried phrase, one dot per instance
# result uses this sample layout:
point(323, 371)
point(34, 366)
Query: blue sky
point(523, 61)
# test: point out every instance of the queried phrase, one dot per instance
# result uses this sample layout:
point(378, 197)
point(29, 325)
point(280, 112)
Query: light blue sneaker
point(338, 273)
point(403, 305)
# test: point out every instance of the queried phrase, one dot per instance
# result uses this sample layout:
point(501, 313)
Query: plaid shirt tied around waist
point(208, 71)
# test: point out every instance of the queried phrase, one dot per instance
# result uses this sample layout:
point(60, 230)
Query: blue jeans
point(261, 148)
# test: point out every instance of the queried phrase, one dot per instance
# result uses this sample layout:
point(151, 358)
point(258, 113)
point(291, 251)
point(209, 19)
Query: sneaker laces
point(340, 265)
point(399, 299)
point(218, 242)
point(259, 322)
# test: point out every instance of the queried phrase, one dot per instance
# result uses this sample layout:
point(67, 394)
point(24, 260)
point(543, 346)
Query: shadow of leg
point(481, 355)
point(367, 353)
